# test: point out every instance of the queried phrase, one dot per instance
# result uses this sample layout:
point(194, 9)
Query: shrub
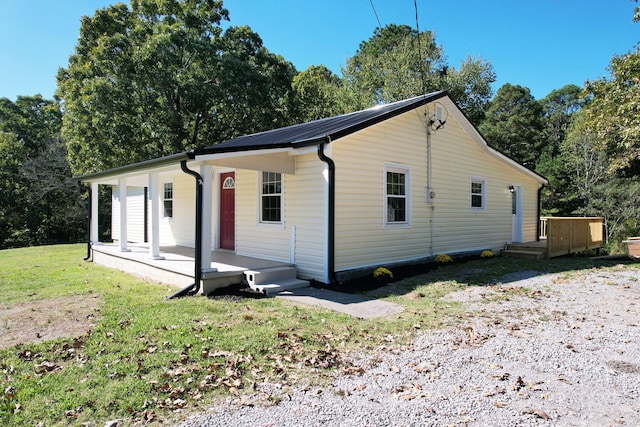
point(383, 272)
point(486, 254)
point(443, 259)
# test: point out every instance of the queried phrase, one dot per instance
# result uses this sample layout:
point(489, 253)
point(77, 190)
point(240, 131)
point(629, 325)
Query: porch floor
point(178, 263)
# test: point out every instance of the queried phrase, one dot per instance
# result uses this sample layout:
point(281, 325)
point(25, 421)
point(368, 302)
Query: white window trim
point(173, 200)
point(406, 170)
point(483, 182)
point(259, 221)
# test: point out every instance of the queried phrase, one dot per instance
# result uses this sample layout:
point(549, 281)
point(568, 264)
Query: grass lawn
point(94, 344)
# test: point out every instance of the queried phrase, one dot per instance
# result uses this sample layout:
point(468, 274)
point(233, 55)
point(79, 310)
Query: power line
point(422, 70)
point(415, 6)
point(376, 14)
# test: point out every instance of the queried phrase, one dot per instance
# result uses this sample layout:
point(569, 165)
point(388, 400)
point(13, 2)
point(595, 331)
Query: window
point(271, 197)
point(477, 194)
point(396, 195)
point(167, 200)
point(229, 183)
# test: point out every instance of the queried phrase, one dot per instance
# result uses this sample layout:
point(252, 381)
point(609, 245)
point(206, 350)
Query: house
point(334, 198)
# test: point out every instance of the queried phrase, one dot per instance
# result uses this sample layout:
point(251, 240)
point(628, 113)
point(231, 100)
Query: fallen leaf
point(537, 412)
point(519, 384)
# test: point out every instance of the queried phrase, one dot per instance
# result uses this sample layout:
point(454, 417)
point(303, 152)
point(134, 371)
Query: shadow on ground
point(475, 272)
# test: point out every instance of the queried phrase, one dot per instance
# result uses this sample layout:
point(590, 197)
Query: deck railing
point(566, 235)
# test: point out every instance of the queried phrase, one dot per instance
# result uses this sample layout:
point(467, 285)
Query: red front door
point(227, 210)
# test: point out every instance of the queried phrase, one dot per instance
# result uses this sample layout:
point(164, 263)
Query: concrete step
point(521, 253)
point(272, 274)
point(213, 279)
point(274, 280)
point(285, 285)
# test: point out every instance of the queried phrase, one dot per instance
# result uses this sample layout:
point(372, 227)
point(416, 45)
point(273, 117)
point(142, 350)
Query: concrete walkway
point(353, 305)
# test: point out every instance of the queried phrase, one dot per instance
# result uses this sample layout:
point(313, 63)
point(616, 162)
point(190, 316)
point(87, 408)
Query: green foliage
point(161, 77)
point(317, 92)
point(513, 124)
point(614, 110)
point(602, 149)
point(584, 164)
point(397, 63)
point(39, 201)
point(618, 201)
point(470, 87)
point(559, 109)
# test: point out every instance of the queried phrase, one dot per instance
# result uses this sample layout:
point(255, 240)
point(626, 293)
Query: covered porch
point(174, 220)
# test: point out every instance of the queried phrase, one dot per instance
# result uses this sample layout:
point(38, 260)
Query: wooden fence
point(566, 235)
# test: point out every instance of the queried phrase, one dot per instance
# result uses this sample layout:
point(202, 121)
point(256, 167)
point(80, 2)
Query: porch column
point(206, 171)
point(122, 194)
point(154, 199)
point(94, 233)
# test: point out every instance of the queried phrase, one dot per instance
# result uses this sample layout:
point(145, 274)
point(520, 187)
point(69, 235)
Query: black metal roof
point(312, 133)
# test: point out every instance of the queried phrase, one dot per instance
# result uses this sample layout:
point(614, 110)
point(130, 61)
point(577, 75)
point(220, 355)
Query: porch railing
point(566, 235)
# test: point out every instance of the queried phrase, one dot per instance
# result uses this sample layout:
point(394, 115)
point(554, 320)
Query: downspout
point(195, 287)
point(331, 241)
point(430, 193)
point(538, 213)
point(88, 223)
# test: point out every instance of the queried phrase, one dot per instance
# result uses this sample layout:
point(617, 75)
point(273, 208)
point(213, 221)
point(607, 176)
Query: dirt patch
point(41, 320)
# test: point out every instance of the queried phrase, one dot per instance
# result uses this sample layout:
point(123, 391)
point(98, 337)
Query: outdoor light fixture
point(512, 189)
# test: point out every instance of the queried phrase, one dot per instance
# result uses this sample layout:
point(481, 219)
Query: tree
point(470, 87)
point(513, 124)
point(397, 63)
point(317, 93)
point(255, 86)
point(559, 108)
point(613, 113)
point(39, 201)
point(584, 164)
point(162, 78)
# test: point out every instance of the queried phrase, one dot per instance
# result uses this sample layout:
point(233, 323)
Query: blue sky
point(542, 44)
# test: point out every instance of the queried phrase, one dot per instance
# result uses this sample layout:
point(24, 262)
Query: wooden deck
point(561, 236)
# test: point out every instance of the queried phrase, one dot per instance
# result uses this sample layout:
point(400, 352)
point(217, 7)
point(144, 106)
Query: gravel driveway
point(539, 350)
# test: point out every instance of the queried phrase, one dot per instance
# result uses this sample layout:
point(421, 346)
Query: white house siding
point(179, 230)
point(362, 240)
point(135, 214)
point(456, 159)
point(253, 239)
point(305, 197)
point(303, 210)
